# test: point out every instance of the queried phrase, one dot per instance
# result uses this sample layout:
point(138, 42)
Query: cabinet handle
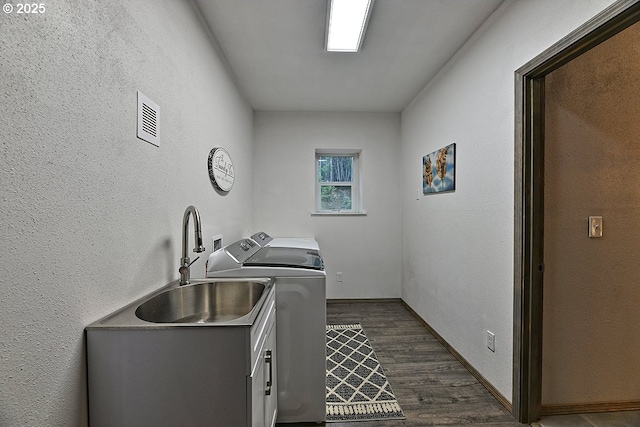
point(268, 359)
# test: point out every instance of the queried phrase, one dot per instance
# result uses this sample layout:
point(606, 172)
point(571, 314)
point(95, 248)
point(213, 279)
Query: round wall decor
point(221, 169)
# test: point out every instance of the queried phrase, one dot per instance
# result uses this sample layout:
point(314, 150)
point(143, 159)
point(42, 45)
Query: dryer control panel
point(261, 238)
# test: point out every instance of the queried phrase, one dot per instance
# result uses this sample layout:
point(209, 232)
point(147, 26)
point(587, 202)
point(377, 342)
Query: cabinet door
point(264, 392)
point(271, 379)
point(258, 397)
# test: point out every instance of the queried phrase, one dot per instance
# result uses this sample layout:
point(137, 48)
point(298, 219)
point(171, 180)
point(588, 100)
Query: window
point(338, 181)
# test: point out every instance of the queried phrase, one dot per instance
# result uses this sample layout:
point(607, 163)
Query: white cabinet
point(262, 383)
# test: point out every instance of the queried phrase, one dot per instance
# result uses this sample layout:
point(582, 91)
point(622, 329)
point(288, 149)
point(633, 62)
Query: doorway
point(529, 198)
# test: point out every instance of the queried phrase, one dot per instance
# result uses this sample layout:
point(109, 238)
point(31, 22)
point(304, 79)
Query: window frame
point(355, 184)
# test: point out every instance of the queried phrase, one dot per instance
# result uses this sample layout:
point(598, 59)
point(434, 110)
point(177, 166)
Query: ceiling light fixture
point(346, 24)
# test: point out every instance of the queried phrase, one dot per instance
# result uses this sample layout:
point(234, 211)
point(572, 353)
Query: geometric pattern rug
point(357, 388)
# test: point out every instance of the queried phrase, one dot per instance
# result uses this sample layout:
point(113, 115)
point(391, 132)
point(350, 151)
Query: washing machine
point(263, 239)
point(300, 284)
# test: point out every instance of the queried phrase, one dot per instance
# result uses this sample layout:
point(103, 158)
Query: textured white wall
point(90, 215)
point(457, 270)
point(366, 249)
point(591, 347)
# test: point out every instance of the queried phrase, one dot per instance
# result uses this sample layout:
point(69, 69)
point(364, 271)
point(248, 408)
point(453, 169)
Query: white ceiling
point(275, 49)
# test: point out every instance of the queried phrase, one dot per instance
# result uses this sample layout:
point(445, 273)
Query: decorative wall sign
point(221, 169)
point(439, 170)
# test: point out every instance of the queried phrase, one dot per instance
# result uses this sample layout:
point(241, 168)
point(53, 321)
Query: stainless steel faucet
point(197, 232)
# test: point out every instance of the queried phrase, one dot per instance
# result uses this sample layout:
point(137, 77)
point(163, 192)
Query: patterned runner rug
point(357, 388)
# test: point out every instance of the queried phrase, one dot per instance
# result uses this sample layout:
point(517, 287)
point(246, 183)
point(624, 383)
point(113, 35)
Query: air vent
point(148, 120)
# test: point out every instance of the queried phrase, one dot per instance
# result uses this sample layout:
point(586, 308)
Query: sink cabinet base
point(184, 375)
point(166, 377)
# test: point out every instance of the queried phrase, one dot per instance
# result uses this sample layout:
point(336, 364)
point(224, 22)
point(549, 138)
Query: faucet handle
point(184, 270)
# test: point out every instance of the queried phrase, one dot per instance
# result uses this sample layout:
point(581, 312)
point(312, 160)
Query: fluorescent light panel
point(346, 24)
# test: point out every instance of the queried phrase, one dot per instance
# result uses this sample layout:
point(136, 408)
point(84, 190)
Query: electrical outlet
point(339, 276)
point(491, 341)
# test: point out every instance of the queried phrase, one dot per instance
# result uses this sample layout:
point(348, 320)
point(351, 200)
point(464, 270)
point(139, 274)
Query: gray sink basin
point(202, 302)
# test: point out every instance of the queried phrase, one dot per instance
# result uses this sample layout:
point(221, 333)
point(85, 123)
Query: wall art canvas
point(439, 170)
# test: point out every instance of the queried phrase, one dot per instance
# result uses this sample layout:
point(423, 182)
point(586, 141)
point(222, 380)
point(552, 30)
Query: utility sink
point(202, 303)
point(198, 354)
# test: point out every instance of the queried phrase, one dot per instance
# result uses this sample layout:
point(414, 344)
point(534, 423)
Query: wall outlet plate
point(491, 341)
point(216, 242)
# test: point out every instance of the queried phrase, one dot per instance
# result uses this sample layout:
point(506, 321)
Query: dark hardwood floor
point(431, 386)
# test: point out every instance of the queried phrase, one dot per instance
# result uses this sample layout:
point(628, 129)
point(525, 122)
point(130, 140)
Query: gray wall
point(457, 260)
point(90, 216)
point(366, 249)
point(591, 348)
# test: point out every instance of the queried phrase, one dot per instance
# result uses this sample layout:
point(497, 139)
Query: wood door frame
point(529, 195)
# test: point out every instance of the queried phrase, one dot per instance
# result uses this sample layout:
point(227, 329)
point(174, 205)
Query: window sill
point(362, 213)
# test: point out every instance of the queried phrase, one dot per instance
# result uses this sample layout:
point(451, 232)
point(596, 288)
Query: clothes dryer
point(300, 284)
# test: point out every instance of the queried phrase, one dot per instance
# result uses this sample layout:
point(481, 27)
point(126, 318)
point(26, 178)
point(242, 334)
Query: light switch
point(595, 226)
